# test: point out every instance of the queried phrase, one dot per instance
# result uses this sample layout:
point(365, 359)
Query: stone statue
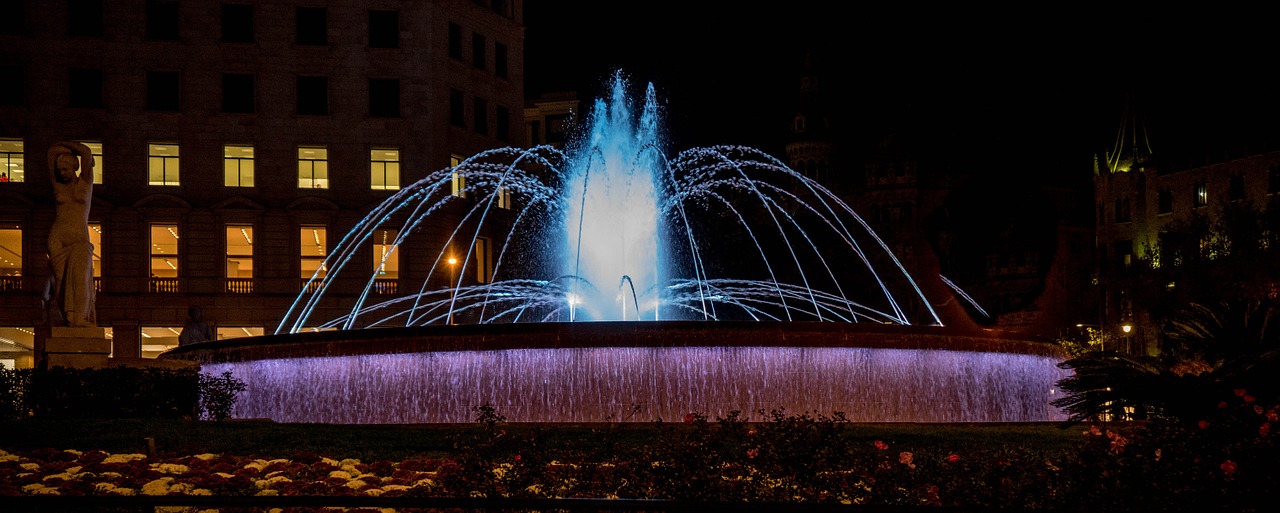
point(70, 252)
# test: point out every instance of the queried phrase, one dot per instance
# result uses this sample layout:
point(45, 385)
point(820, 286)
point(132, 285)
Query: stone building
point(236, 143)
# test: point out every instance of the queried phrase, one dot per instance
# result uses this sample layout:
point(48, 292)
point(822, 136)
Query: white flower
point(269, 493)
point(73, 451)
point(170, 468)
point(39, 489)
point(6, 457)
point(206, 456)
point(200, 491)
point(373, 492)
point(330, 462)
point(124, 458)
point(157, 487)
point(124, 491)
point(224, 475)
point(104, 487)
point(29, 466)
point(391, 487)
point(340, 474)
point(109, 475)
point(356, 484)
point(349, 461)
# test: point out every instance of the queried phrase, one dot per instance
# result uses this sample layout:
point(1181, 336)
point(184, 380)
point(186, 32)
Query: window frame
point(164, 160)
point(310, 162)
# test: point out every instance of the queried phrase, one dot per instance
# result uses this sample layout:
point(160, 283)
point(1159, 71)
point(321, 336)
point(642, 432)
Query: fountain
point(627, 286)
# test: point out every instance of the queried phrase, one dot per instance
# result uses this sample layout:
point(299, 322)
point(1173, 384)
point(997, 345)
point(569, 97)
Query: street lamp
point(453, 294)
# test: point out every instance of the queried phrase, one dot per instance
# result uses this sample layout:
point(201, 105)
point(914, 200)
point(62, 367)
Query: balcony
point(162, 285)
point(386, 286)
point(310, 287)
point(239, 285)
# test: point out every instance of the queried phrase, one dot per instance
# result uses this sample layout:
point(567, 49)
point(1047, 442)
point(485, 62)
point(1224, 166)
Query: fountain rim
point(605, 334)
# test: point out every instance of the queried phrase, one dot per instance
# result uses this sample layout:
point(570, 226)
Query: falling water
point(642, 384)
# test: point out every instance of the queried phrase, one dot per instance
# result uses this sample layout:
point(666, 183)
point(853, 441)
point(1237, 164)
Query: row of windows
point(239, 243)
point(311, 27)
point(238, 166)
point(1236, 191)
point(86, 89)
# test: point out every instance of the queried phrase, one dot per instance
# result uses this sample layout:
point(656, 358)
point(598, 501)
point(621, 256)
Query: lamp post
point(453, 285)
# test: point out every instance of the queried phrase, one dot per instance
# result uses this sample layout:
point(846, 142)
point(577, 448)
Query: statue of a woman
point(70, 252)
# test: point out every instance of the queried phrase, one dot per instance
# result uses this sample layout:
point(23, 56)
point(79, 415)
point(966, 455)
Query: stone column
point(78, 348)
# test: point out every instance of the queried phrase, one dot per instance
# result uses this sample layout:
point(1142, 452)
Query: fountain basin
point(638, 372)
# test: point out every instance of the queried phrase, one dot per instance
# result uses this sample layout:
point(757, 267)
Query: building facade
point(236, 142)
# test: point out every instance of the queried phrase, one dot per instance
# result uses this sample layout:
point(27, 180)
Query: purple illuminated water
point(650, 383)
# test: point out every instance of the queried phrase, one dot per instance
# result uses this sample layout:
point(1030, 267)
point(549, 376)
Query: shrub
point(14, 384)
point(218, 395)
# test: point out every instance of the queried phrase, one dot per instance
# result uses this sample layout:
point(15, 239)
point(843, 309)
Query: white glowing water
point(612, 216)
point(649, 384)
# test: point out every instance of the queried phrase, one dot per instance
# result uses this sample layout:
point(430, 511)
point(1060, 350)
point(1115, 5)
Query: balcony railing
point(311, 287)
point(162, 285)
point(11, 284)
point(239, 285)
point(386, 286)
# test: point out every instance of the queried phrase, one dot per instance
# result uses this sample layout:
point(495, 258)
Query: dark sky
point(1003, 85)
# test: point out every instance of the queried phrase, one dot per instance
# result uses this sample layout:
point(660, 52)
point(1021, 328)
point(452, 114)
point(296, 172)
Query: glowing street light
point(453, 284)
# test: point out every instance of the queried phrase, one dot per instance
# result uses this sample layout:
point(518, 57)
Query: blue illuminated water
point(614, 228)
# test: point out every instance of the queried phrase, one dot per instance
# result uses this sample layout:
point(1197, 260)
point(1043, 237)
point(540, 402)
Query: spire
point(1132, 150)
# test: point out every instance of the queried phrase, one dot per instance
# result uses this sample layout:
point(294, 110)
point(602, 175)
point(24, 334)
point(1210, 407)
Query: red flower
point(688, 417)
point(1249, 398)
point(1240, 392)
point(1222, 404)
point(1228, 467)
point(906, 458)
point(753, 452)
point(880, 445)
point(1204, 424)
point(1264, 429)
point(953, 457)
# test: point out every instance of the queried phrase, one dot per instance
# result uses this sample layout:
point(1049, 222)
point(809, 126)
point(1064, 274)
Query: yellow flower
point(157, 487)
point(123, 458)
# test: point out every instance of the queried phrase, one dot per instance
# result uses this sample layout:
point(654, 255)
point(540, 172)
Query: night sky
point(1015, 88)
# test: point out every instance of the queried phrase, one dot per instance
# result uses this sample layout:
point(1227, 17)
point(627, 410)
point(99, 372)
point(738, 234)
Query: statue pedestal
point(78, 348)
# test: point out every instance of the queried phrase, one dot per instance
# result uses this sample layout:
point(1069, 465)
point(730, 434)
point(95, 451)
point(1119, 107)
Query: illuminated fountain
point(716, 280)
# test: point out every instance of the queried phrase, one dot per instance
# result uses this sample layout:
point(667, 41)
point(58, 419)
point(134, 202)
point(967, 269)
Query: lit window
point(504, 198)
point(12, 161)
point(239, 240)
point(162, 164)
point(386, 262)
point(484, 260)
point(95, 238)
point(1202, 195)
point(16, 344)
point(384, 169)
point(313, 167)
point(10, 255)
point(158, 339)
point(458, 185)
point(96, 149)
point(164, 258)
point(313, 247)
point(239, 332)
point(237, 166)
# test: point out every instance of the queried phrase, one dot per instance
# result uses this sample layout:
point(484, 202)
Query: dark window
point(535, 136)
point(13, 90)
point(455, 41)
point(1273, 179)
point(500, 60)
point(15, 21)
point(1166, 201)
point(456, 115)
point(1236, 190)
point(477, 51)
point(313, 96)
point(162, 20)
point(1124, 254)
point(237, 93)
point(384, 29)
point(480, 113)
point(85, 88)
point(502, 7)
point(237, 23)
point(84, 18)
point(1123, 215)
point(502, 116)
point(162, 90)
point(1201, 191)
point(384, 97)
point(313, 26)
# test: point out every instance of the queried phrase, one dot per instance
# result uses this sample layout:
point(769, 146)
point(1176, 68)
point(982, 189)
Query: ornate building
point(236, 143)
